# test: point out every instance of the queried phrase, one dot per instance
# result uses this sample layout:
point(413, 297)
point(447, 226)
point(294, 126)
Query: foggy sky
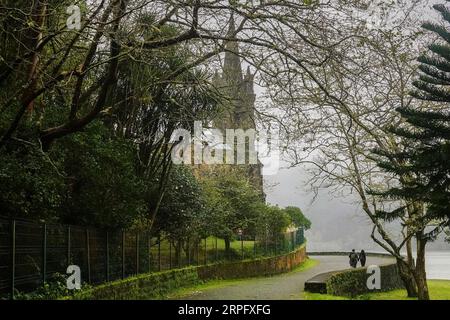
point(338, 223)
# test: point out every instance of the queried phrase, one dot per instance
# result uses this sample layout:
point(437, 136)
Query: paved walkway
point(280, 287)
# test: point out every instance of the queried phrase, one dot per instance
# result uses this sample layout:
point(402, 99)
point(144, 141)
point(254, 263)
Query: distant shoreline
point(437, 261)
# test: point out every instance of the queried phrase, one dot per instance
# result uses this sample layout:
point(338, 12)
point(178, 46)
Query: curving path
point(285, 286)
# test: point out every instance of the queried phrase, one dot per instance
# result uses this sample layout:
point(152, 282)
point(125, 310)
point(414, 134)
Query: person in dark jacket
point(362, 258)
point(353, 258)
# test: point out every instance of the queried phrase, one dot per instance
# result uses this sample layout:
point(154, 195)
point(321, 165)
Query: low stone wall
point(157, 285)
point(254, 268)
point(346, 253)
point(353, 282)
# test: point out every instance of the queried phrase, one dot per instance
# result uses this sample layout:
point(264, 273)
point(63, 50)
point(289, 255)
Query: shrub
point(354, 282)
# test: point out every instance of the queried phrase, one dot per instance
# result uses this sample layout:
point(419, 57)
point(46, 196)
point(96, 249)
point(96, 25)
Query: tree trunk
point(420, 273)
point(186, 249)
point(227, 246)
point(411, 288)
point(34, 37)
point(407, 278)
point(35, 33)
point(409, 254)
point(192, 252)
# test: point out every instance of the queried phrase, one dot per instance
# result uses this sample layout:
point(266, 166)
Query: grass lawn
point(236, 244)
point(439, 290)
point(210, 245)
point(308, 264)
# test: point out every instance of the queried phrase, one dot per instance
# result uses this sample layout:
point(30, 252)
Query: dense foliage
point(297, 217)
point(87, 114)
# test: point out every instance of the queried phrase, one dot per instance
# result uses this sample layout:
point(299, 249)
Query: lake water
point(438, 265)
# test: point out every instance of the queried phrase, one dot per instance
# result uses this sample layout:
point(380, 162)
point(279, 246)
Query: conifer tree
point(423, 164)
point(426, 159)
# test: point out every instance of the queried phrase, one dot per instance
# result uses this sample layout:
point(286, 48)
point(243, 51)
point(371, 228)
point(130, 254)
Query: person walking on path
point(353, 258)
point(362, 258)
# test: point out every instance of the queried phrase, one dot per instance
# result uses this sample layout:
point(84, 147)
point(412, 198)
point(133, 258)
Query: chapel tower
point(238, 108)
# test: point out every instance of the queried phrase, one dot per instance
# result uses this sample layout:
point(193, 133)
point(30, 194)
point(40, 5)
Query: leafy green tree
point(297, 217)
point(153, 99)
point(181, 216)
point(89, 178)
point(122, 152)
point(232, 202)
point(181, 213)
point(103, 188)
point(273, 222)
point(31, 186)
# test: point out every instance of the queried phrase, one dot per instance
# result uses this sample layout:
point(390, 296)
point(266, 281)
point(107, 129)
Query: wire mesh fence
point(31, 253)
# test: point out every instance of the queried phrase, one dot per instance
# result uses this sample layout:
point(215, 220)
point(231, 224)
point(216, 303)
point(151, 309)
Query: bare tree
point(336, 113)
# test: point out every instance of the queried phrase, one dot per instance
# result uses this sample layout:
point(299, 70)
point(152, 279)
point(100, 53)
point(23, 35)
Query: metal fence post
point(276, 244)
point(88, 254)
point(44, 252)
point(206, 257)
point(13, 258)
point(242, 248)
point(217, 251)
point(294, 233)
point(107, 256)
point(159, 253)
point(197, 262)
point(137, 252)
point(68, 246)
point(189, 250)
point(170, 254)
point(180, 248)
point(302, 235)
point(299, 236)
point(265, 247)
point(149, 246)
point(123, 254)
point(292, 240)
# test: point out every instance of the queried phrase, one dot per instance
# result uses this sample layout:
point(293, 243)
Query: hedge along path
point(286, 286)
point(158, 285)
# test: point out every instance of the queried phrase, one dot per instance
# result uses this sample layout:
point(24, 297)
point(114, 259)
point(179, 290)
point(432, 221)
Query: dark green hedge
point(353, 282)
point(146, 286)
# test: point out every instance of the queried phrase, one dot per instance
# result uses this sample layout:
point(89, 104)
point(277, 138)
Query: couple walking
point(354, 258)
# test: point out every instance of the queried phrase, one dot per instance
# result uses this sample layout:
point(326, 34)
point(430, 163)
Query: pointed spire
point(231, 26)
point(249, 80)
point(232, 65)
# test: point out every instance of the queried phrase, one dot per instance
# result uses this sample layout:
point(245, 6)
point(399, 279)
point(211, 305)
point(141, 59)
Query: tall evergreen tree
point(426, 159)
point(423, 164)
